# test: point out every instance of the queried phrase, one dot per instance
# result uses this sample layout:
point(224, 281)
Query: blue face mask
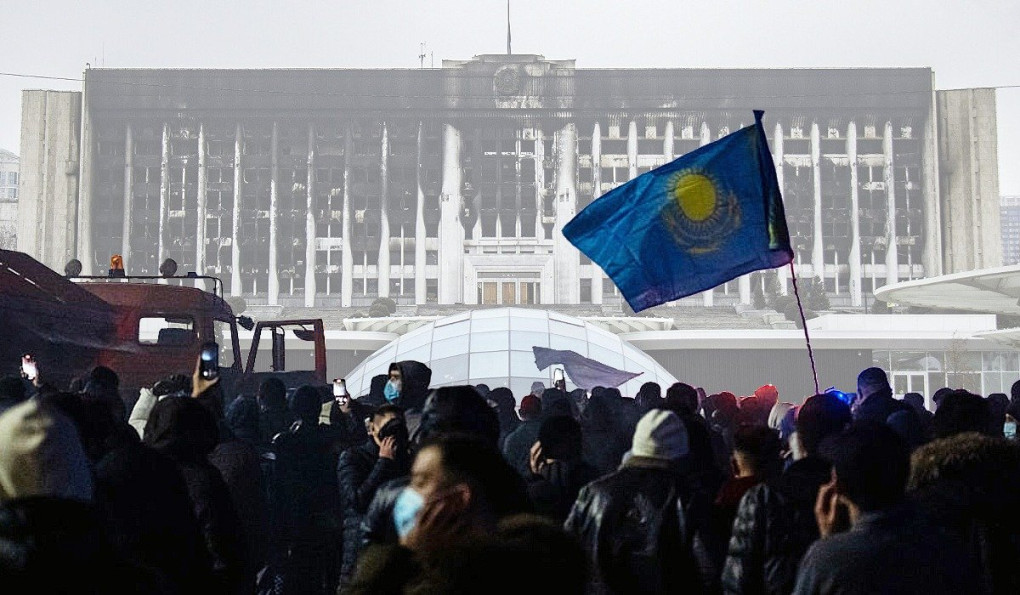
point(392, 391)
point(405, 511)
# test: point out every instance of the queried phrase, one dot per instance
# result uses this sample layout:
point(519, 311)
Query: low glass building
point(494, 347)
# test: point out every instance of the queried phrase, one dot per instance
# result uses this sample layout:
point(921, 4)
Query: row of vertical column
point(272, 281)
point(818, 240)
point(451, 232)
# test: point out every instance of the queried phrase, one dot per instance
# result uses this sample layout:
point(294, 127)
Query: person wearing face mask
point(460, 490)
point(362, 469)
point(406, 385)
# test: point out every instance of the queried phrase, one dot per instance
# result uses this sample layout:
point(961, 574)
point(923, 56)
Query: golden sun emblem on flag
point(700, 213)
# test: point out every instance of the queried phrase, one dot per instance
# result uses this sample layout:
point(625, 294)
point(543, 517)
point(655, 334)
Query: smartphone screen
point(29, 369)
point(340, 389)
point(210, 360)
point(558, 376)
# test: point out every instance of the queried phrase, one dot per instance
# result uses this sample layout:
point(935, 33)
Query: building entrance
point(508, 292)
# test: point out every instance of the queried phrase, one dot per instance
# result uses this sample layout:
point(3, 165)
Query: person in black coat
point(237, 458)
point(362, 469)
point(605, 441)
point(558, 471)
point(144, 503)
point(448, 410)
point(184, 430)
point(775, 521)
point(517, 445)
point(305, 501)
point(634, 523)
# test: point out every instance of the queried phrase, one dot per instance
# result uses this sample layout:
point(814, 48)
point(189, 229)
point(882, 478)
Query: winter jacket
point(185, 431)
point(58, 545)
point(147, 512)
point(889, 551)
point(878, 407)
point(554, 490)
point(774, 526)
point(634, 526)
point(305, 496)
point(415, 380)
point(517, 446)
point(377, 525)
point(240, 465)
point(360, 472)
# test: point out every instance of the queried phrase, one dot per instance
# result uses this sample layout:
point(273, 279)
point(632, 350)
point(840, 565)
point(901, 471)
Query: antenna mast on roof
point(421, 56)
point(508, 52)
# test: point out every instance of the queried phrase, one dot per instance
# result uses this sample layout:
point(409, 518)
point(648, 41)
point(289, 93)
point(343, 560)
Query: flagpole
point(803, 321)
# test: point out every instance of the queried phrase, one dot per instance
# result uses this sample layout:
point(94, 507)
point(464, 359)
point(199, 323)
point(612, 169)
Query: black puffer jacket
point(633, 524)
point(360, 472)
point(774, 527)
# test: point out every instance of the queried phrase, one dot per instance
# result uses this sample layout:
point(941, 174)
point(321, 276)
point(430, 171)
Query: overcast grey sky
point(971, 43)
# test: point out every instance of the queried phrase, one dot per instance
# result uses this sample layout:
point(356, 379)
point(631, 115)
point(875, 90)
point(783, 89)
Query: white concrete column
point(818, 246)
point(596, 181)
point(667, 142)
point(783, 272)
point(235, 226)
point(274, 193)
point(892, 272)
point(80, 247)
point(129, 183)
point(539, 181)
point(707, 296)
point(632, 151)
point(419, 225)
point(744, 289)
point(164, 197)
point(566, 255)
point(451, 232)
point(384, 217)
point(854, 258)
point(202, 205)
point(347, 250)
point(310, 252)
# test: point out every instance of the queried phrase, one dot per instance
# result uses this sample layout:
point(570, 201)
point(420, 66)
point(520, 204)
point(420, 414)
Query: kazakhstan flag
point(706, 218)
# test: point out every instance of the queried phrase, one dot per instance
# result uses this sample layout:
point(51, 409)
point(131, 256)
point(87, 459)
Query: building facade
point(969, 183)
point(48, 206)
point(1009, 218)
point(451, 185)
point(8, 199)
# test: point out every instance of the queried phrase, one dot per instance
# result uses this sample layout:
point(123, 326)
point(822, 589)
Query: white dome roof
point(494, 347)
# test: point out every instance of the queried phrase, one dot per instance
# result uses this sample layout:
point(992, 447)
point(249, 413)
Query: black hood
point(416, 378)
point(375, 392)
point(182, 429)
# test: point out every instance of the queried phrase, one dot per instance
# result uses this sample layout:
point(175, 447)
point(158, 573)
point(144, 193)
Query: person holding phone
point(362, 469)
point(559, 379)
point(345, 418)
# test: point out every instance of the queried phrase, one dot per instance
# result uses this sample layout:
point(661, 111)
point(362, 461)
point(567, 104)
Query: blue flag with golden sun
point(706, 218)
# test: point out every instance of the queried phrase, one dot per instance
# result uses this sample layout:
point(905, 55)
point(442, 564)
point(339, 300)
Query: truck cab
point(143, 327)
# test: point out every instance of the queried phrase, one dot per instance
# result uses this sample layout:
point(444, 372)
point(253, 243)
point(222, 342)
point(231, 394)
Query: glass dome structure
point(494, 347)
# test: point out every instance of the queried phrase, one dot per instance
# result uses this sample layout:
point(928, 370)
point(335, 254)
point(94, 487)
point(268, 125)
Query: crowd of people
point(467, 489)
